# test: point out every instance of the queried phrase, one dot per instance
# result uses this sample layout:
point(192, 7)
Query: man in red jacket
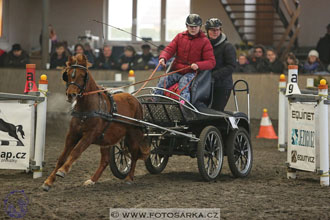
point(193, 49)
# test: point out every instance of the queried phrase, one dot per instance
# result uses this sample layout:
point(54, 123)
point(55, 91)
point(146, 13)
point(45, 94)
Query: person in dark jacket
point(193, 51)
point(291, 59)
point(274, 65)
point(127, 61)
point(106, 60)
point(58, 59)
point(145, 60)
point(323, 47)
point(3, 55)
point(80, 49)
point(225, 56)
point(17, 57)
point(258, 59)
point(243, 65)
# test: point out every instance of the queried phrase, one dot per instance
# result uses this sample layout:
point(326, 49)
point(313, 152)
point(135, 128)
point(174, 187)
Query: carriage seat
point(201, 90)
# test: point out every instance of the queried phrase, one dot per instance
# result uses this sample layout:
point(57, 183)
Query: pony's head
point(76, 76)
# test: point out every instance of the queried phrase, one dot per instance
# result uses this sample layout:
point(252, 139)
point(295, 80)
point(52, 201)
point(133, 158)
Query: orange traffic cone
point(266, 128)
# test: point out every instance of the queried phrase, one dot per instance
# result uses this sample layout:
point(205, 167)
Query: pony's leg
point(134, 139)
point(105, 158)
point(82, 145)
point(69, 145)
point(130, 177)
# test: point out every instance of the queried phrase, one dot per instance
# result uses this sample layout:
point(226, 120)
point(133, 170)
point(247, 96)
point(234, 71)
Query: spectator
point(313, 64)
point(17, 57)
point(3, 55)
point(59, 58)
point(243, 65)
point(89, 53)
point(67, 50)
point(79, 49)
point(291, 59)
point(225, 57)
point(155, 58)
point(127, 61)
point(193, 51)
point(106, 60)
point(258, 60)
point(145, 60)
point(323, 47)
point(274, 65)
point(52, 36)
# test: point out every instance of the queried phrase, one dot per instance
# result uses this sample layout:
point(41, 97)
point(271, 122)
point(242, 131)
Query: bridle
point(73, 75)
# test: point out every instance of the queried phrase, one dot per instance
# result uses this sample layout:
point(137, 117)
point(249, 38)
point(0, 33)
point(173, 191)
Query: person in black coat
point(145, 60)
point(127, 61)
point(323, 47)
point(243, 65)
point(274, 65)
point(58, 59)
point(225, 56)
point(17, 57)
point(258, 59)
point(106, 60)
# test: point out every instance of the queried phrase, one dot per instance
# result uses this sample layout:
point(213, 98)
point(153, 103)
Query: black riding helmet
point(194, 20)
point(213, 23)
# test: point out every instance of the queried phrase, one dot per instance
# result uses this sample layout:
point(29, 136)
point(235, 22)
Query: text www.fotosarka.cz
point(166, 213)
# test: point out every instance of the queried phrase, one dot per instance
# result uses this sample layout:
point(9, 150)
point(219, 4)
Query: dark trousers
point(220, 98)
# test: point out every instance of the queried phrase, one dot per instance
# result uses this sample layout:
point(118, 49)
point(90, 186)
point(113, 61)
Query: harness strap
point(105, 115)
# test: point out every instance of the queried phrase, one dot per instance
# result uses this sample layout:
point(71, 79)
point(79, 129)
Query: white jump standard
point(308, 145)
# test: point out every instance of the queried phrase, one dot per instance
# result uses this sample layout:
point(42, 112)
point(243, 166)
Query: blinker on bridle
point(73, 75)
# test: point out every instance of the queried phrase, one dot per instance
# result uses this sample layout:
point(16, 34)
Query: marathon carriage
point(171, 126)
point(174, 128)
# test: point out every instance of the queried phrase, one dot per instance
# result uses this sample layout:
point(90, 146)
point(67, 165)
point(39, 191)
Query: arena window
point(176, 11)
point(148, 19)
point(155, 19)
point(119, 16)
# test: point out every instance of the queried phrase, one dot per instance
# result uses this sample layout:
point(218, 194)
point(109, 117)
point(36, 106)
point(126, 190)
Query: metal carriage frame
point(174, 128)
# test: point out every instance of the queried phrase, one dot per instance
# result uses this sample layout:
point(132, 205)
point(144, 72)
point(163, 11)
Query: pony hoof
point(60, 174)
point(45, 187)
point(89, 183)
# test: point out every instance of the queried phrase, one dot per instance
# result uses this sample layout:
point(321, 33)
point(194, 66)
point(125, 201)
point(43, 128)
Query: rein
point(151, 75)
point(143, 81)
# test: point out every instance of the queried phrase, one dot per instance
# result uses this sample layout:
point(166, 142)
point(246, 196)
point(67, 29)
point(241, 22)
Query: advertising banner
point(302, 136)
point(16, 134)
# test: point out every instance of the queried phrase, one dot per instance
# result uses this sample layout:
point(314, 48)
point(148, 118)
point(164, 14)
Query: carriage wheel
point(156, 163)
point(120, 160)
point(239, 152)
point(210, 153)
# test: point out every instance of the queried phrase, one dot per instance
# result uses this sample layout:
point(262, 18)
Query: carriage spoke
point(208, 167)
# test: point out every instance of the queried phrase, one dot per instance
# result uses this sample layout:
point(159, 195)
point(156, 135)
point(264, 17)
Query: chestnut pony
point(93, 123)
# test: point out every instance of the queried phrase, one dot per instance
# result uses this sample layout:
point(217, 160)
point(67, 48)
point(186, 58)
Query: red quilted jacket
point(190, 49)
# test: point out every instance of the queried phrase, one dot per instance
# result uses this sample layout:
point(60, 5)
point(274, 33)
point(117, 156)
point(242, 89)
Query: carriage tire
point(207, 134)
point(153, 169)
point(239, 147)
point(150, 161)
point(113, 165)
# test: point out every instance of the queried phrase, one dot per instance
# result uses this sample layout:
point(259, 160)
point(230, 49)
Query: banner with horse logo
point(16, 134)
point(302, 138)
